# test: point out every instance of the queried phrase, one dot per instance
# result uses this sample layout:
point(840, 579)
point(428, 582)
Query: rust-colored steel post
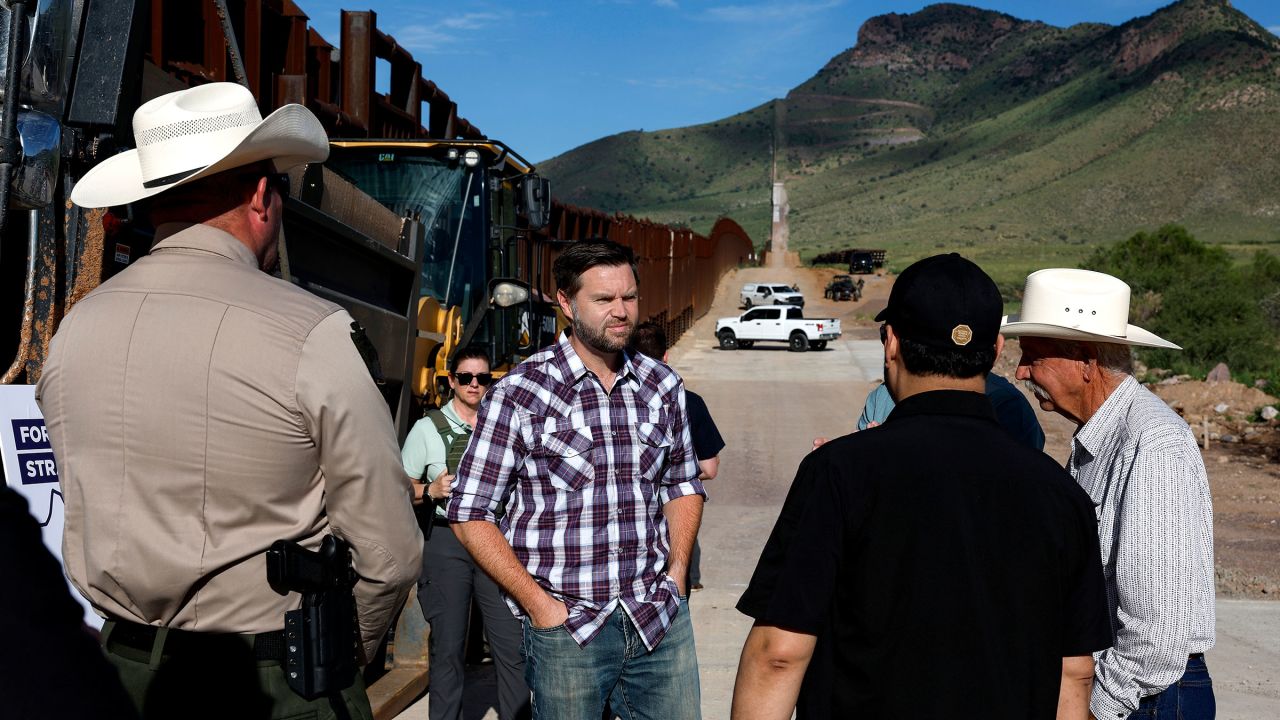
point(251, 48)
point(358, 66)
point(451, 121)
point(413, 98)
point(290, 89)
point(295, 56)
point(157, 32)
point(319, 67)
point(215, 43)
point(404, 70)
point(423, 91)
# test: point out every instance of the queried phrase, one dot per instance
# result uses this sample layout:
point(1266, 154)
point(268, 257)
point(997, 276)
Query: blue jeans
point(575, 683)
point(1191, 698)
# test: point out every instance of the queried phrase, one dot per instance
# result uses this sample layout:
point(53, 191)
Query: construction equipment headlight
point(471, 158)
point(506, 294)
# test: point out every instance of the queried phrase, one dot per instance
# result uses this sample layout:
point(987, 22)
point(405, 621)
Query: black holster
point(322, 635)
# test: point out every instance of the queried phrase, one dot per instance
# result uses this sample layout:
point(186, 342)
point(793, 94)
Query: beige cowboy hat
point(194, 133)
point(1078, 305)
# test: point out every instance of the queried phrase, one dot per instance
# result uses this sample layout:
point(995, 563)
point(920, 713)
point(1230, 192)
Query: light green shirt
point(424, 453)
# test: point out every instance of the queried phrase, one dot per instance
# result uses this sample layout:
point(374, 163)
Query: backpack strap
point(455, 441)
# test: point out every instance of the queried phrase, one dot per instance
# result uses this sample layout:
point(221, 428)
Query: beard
point(599, 340)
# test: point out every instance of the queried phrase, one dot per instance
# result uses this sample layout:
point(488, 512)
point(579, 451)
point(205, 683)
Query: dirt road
point(769, 404)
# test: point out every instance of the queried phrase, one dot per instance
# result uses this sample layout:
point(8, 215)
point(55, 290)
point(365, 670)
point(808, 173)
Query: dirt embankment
point(1243, 462)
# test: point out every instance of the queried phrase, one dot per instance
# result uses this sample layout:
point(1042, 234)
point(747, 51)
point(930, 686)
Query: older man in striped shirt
point(1139, 463)
point(588, 445)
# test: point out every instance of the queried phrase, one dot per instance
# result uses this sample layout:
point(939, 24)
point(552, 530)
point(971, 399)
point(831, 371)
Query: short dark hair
point(469, 352)
point(209, 196)
point(649, 339)
point(583, 255)
point(921, 359)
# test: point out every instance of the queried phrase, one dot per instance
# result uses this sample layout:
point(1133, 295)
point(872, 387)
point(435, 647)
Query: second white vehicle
point(770, 294)
point(780, 324)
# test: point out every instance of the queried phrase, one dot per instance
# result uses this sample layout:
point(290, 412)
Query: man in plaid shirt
point(588, 446)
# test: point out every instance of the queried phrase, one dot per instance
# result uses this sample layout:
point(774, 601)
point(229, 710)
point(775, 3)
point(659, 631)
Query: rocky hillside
point(1019, 143)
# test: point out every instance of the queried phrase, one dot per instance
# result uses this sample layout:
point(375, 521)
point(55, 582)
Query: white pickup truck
point(781, 324)
point(770, 294)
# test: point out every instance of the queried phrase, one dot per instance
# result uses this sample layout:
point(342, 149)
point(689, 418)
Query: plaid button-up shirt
point(585, 475)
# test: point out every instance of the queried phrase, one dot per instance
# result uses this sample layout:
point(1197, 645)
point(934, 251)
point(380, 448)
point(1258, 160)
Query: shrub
point(1157, 261)
point(1216, 324)
point(1190, 294)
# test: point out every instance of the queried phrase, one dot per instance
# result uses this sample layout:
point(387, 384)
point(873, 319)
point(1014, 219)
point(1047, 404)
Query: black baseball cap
point(945, 302)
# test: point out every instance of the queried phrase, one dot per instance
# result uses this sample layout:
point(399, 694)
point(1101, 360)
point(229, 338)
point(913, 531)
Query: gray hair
point(1114, 358)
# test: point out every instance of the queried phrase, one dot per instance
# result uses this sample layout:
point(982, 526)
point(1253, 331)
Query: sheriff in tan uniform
point(200, 410)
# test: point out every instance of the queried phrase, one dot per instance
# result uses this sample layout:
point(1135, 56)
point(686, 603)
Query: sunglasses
point(485, 379)
point(884, 334)
point(279, 181)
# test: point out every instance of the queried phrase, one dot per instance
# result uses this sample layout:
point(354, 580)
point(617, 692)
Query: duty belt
point(267, 646)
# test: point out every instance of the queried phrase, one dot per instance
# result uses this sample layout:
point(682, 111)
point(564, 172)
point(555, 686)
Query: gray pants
point(449, 577)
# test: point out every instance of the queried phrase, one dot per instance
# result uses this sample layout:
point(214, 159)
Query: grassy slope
point(1054, 141)
point(685, 175)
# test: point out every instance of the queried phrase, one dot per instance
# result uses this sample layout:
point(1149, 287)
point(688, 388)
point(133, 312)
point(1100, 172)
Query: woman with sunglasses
point(449, 576)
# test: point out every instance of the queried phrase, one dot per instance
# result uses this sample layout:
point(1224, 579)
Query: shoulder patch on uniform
point(368, 352)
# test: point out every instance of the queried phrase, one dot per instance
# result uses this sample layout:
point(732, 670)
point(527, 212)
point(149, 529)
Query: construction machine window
point(447, 198)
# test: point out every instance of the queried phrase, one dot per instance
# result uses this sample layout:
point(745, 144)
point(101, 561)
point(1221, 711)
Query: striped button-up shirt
point(1140, 464)
point(585, 474)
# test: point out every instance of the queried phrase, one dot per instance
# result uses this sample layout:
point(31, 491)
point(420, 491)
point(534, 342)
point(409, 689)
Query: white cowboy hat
point(1078, 305)
point(194, 133)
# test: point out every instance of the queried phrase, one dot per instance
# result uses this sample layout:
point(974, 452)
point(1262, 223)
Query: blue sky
point(545, 77)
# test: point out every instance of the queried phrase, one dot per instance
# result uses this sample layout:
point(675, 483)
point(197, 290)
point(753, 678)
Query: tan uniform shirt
point(200, 410)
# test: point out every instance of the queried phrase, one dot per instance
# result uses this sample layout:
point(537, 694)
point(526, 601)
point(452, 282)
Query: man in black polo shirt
point(931, 567)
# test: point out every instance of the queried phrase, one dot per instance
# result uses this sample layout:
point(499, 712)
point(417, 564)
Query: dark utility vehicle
point(843, 287)
point(862, 262)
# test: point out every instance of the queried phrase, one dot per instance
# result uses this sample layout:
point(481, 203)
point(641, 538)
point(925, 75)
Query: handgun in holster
point(320, 637)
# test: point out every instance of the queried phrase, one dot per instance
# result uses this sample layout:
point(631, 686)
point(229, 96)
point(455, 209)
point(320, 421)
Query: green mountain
point(1017, 143)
